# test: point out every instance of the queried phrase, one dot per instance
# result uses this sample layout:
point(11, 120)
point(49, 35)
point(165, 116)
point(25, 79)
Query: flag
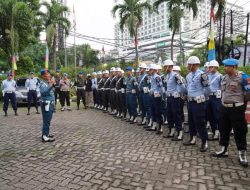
point(46, 66)
point(74, 18)
point(211, 44)
point(14, 66)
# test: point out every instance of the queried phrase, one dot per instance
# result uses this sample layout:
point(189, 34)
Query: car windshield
point(21, 82)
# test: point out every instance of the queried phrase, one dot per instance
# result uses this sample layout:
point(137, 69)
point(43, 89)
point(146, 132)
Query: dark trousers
point(32, 94)
point(106, 98)
point(131, 104)
point(57, 94)
point(214, 107)
point(196, 119)
point(182, 110)
point(12, 98)
point(122, 97)
point(65, 96)
point(102, 97)
point(112, 100)
point(80, 95)
point(156, 109)
point(174, 113)
point(96, 97)
point(144, 102)
point(47, 117)
point(233, 118)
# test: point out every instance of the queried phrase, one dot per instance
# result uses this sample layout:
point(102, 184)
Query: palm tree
point(130, 14)
point(52, 19)
point(176, 12)
point(221, 7)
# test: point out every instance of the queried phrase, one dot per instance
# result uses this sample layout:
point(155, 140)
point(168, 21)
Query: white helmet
point(106, 72)
point(118, 69)
point(143, 65)
point(176, 68)
point(193, 60)
point(94, 73)
point(152, 66)
point(99, 72)
point(112, 69)
point(168, 62)
point(158, 67)
point(122, 71)
point(213, 63)
point(206, 64)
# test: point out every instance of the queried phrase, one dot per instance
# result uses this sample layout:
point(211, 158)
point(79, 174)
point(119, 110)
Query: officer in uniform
point(131, 87)
point(98, 97)
point(101, 90)
point(197, 89)
point(47, 104)
point(32, 84)
point(214, 102)
point(106, 93)
point(94, 88)
point(9, 87)
point(118, 91)
point(80, 90)
point(143, 87)
point(122, 96)
point(177, 69)
point(65, 85)
point(156, 93)
point(112, 91)
point(232, 115)
point(174, 89)
point(57, 86)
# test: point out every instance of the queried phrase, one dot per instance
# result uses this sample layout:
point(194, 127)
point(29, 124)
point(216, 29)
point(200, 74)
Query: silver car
point(22, 92)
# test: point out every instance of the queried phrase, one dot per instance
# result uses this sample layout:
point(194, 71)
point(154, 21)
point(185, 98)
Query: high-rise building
point(155, 26)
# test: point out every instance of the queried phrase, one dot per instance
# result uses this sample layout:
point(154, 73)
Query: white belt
point(232, 105)
point(9, 92)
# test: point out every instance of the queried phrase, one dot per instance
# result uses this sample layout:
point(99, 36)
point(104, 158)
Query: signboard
point(161, 44)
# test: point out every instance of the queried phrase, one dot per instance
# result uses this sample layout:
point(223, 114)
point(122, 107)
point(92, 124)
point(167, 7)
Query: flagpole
point(74, 38)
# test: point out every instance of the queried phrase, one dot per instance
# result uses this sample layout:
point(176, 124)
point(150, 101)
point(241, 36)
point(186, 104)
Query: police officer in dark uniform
point(106, 93)
point(32, 84)
point(57, 87)
point(9, 87)
point(80, 90)
point(98, 96)
point(232, 115)
point(112, 91)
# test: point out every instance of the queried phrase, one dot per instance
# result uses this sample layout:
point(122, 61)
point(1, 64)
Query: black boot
point(37, 112)
point(5, 114)
point(28, 112)
point(221, 153)
point(159, 130)
point(178, 137)
point(16, 114)
point(243, 158)
point(204, 146)
point(191, 142)
point(78, 107)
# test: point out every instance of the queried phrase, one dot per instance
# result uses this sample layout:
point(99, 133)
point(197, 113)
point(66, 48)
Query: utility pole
point(245, 51)
point(219, 49)
point(232, 37)
point(223, 36)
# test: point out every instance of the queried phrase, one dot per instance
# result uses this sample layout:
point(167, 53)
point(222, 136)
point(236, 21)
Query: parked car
point(22, 92)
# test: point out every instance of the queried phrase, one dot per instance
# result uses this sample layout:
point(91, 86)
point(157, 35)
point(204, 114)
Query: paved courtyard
point(95, 151)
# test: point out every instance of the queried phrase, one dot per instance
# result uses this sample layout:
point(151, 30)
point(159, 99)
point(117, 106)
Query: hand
point(52, 81)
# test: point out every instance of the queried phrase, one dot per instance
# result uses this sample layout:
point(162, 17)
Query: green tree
point(130, 14)
point(240, 39)
point(52, 19)
point(16, 26)
point(176, 12)
point(221, 6)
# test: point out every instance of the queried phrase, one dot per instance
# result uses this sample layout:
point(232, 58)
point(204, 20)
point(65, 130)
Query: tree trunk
point(54, 53)
point(172, 45)
point(136, 47)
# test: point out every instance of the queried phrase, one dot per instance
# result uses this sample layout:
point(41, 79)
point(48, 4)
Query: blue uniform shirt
point(172, 79)
point(197, 84)
point(46, 91)
point(94, 83)
point(31, 84)
point(156, 84)
point(143, 81)
point(215, 81)
point(9, 85)
point(131, 84)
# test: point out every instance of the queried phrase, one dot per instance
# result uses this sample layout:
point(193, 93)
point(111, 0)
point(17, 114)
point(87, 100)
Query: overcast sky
point(93, 18)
